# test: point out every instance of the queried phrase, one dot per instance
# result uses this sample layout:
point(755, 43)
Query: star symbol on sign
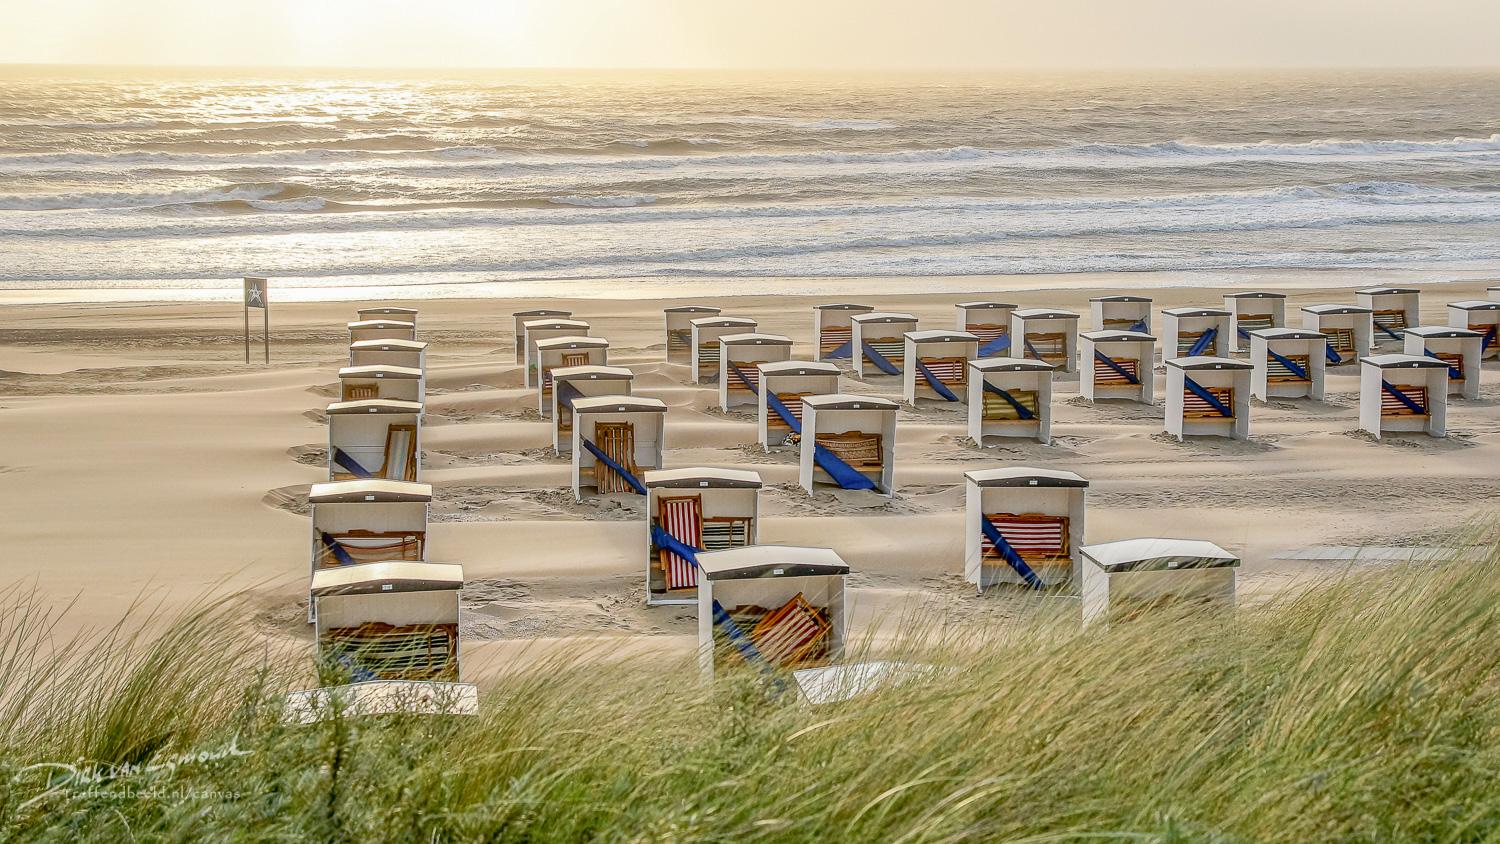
point(255, 294)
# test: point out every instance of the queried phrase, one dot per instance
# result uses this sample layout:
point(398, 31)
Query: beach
point(145, 461)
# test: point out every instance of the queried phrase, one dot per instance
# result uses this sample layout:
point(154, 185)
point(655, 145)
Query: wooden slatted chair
point(1050, 346)
point(793, 402)
point(951, 371)
point(1278, 373)
point(360, 392)
point(398, 652)
point(751, 370)
point(892, 349)
point(997, 409)
point(616, 439)
point(860, 450)
point(1392, 406)
point(831, 337)
point(400, 453)
point(373, 546)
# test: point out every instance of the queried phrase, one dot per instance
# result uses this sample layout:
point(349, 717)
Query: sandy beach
point(143, 459)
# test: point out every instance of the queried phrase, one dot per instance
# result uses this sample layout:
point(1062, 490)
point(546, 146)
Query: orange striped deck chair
point(1194, 407)
point(793, 402)
point(793, 634)
point(1391, 405)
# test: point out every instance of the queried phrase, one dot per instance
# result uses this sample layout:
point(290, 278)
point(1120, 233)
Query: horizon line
point(912, 70)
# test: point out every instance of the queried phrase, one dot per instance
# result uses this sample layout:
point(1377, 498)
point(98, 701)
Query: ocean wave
point(603, 201)
point(150, 199)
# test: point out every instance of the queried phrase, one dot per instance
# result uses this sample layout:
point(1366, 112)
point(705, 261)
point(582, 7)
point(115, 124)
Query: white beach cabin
point(940, 370)
point(538, 330)
point(990, 322)
point(1117, 365)
point(848, 441)
point(679, 323)
point(702, 509)
point(523, 317)
point(389, 312)
point(1403, 394)
point(1120, 580)
point(833, 333)
point(565, 352)
point(367, 521)
point(1010, 397)
point(740, 357)
point(1022, 526)
point(879, 342)
point(1253, 310)
point(381, 329)
point(374, 438)
point(1289, 363)
point(1196, 332)
point(1121, 313)
point(789, 382)
point(773, 607)
point(1349, 329)
point(1208, 397)
point(1047, 335)
point(1457, 347)
point(576, 382)
point(408, 353)
point(1392, 310)
point(402, 383)
point(705, 333)
point(1481, 316)
point(622, 430)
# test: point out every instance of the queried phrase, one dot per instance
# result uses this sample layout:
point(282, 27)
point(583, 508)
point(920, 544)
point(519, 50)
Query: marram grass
point(1367, 709)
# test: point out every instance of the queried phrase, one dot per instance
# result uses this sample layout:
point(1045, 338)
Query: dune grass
point(1367, 709)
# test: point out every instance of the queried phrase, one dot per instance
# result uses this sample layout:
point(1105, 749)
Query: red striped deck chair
point(1106, 376)
point(400, 453)
point(892, 349)
point(1392, 406)
point(1455, 363)
point(751, 370)
point(793, 402)
point(953, 372)
point(1341, 340)
point(987, 332)
point(1194, 407)
point(682, 517)
point(617, 439)
point(373, 546)
point(795, 633)
point(1038, 539)
point(1052, 346)
point(997, 409)
point(1278, 373)
point(830, 337)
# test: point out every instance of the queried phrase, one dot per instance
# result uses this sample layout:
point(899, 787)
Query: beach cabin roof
point(593, 373)
point(982, 306)
point(555, 324)
point(843, 306)
point(387, 310)
point(1337, 309)
point(1287, 334)
point(883, 316)
point(1399, 361)
point(770, 561)
point(378, 578)
point(1385, 291)
point(1475, 305)
point(691, 309)
point(388, 345)
point(1443, 332)
point(380, 323)
point(1044, 313)
point(798, 367)
point(753, 339)
point(938, 335)
point(702, 476)
point(1208, 362)
point(380, 370)
point(1255, 294)
point(847, 401)
point(368, 489)
point(542, 312)
point(618, 404)
point(1011, 365)
point(374, 406)
point(1159, 555)
point(722, 322)
point(1108, 336)
point(1119, 299)
point(1195, 312)
point(573, 342)
point(1025, 476)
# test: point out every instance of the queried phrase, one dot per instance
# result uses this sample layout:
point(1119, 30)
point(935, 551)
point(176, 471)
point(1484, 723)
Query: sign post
point(255, 297)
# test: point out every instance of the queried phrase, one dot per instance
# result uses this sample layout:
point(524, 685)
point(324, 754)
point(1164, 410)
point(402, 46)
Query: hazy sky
point(832, 34)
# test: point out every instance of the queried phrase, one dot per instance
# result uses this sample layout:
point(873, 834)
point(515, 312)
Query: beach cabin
point(1010, 397)
point(389, 621)
point(848, 441)
point(390, 313)
point(402, 383)
point(1349, 329)
point(940, 370)
point(523, 317)
point(1121, 313)
point(381, 329)
point(833, 331)
point(880, 343)
point(407, 353)
point(538, 330)
point(1480, 316)
point(576, 382)
point(374, 438)
point(1195, 332)
point(615, 440)
point(1457, 347)
point(1047, 335)
point(990, 322)
point(779, 402)
point(770, 607)
point(565, 352)
point(1121, 580)
point(692, 511)
point(1253, 310)
point(705, 333)
point(740, 357)
point(1289, 363)
point(1208, 397)
point(367, 521)
point(1403, 394)
point(1118, 365)
point(679, 321)
point(1392, 310)
point(1022, 526)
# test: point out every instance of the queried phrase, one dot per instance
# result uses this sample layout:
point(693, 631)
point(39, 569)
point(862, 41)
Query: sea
point(121, 184)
